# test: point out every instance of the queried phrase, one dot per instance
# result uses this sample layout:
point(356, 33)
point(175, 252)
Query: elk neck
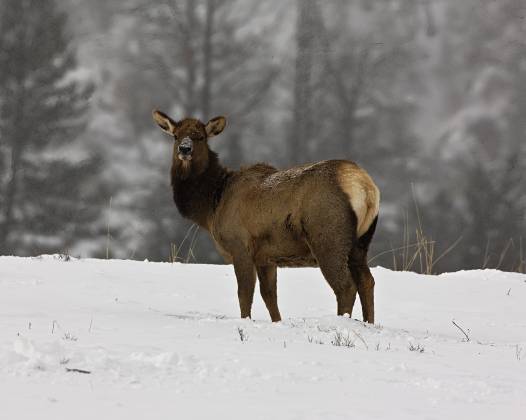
point(197, 194)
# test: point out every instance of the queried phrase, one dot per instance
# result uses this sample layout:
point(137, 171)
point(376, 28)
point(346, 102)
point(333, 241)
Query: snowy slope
point(162, 341)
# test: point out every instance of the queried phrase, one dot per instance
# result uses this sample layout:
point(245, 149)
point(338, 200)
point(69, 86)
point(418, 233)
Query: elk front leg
point(268, 287)
point(246, 282)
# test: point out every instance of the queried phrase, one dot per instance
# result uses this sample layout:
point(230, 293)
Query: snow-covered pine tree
point(50, 198)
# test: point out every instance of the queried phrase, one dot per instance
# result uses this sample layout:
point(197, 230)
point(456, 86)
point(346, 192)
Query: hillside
point(116, 339)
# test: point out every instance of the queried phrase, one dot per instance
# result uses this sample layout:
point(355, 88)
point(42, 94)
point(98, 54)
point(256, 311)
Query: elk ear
point(165, 122)
point(215, 126)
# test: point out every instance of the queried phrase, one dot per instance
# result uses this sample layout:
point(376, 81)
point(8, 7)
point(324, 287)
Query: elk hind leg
point(365, 282)
point(332, 255)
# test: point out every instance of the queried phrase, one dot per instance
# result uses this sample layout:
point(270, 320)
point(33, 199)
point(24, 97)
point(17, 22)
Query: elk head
point(191, 151)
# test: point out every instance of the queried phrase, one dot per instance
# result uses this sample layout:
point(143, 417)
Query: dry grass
point(521, 266)
point(342, 340)
point(418, 252)
point(418, 348)
point(243, 336)
point(517, 264)
point(175, 250)
point(108, 233)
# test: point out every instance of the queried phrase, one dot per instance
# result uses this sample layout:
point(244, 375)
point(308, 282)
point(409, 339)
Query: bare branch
point(460, 328)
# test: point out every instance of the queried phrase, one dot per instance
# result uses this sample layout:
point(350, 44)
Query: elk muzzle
point(185, 149)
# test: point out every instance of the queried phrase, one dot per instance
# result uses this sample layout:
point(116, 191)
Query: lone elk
point(322, 214)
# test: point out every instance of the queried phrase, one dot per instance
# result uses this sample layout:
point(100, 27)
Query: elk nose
point(186, 146)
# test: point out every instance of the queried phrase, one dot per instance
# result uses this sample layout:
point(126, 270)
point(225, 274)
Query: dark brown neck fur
point(197, 195)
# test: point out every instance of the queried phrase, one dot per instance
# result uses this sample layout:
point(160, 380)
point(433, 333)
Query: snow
point(162, 341)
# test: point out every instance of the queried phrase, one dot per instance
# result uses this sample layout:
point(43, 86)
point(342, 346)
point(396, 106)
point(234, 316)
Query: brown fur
point(316, 215)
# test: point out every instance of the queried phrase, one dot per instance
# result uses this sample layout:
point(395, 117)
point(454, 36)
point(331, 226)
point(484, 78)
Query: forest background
point(428, 95)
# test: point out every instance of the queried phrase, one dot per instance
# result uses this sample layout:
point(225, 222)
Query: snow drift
point(135, 340)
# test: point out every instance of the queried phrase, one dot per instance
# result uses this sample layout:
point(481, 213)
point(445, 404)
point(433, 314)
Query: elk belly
point(363, 194)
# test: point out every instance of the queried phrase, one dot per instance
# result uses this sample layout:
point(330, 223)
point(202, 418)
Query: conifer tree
point(482, 151)
point(49, 196)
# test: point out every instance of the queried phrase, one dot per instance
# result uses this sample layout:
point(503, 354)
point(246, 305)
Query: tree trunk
point(190, 64)
point(235, 150)
point(350, 105)
point(10, 197)
point(301, 130)
point(207, 60)
point(16, 136)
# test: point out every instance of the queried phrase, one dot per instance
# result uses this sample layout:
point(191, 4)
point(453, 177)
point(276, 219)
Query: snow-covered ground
point(163, 341)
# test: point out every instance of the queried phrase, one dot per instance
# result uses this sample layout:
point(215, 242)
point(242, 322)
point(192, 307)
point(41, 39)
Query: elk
point(322, 215)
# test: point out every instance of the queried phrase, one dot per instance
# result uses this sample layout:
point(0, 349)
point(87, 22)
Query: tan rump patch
point(363, 194)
